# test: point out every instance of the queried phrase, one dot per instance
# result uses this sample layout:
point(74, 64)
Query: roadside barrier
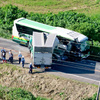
point(98, 93)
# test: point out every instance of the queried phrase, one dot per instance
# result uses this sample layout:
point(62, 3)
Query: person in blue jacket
point(2, 51)
point(30, 68)
point(23, 61)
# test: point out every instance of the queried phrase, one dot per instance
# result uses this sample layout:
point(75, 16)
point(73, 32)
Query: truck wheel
point(27, 44)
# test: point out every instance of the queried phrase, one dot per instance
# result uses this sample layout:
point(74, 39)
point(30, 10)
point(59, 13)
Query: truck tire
point(27, 44)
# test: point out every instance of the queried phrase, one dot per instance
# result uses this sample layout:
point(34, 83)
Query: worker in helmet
point(30, 68)
point(23, 61)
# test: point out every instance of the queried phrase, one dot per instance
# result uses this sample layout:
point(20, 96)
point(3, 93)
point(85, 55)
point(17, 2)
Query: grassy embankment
point(13, 92)
point(17, 82)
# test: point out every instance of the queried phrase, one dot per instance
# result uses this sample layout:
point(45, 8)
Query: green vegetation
point(69, 19)
point(92, 98)
point(5, 33)
point(89, 7)
point(7, 15)
point(17, 94)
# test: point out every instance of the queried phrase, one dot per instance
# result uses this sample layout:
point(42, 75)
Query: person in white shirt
point(19, 56)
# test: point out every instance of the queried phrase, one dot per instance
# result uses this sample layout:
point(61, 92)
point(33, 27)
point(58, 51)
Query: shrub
point(17, 94)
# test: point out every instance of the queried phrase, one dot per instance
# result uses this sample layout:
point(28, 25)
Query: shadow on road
point(78, 67)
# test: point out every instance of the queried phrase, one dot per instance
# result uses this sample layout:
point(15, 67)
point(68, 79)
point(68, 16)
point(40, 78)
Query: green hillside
point(89, 7)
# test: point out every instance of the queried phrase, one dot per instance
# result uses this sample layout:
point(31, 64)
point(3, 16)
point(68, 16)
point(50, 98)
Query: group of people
point(3, 56)
point(20, 58)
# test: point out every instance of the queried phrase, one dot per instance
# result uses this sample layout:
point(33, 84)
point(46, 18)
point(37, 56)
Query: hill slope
point(44, 85)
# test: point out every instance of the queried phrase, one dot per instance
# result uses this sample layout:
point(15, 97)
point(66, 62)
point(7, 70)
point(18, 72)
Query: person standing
point(23, 61)
point(30, 68)
point(20, 56)
point(2, 50)
point(11, 58)
point(4, 56)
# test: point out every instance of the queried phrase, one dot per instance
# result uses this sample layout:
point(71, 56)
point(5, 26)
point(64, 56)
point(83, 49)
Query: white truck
point(42, 49)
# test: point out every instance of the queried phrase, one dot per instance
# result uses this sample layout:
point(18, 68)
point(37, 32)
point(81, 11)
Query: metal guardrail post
point(97, 98)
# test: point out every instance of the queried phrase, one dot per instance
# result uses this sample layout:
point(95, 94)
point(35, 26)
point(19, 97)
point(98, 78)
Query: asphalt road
point(9, 44)
point(85, 70)
point(15, 47)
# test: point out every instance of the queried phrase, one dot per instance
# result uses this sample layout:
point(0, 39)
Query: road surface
point(84, 71)
point(10, 45)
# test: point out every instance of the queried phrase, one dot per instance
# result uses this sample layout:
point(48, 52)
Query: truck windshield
point(84, 46)
point(75, 47)
point(80, 47)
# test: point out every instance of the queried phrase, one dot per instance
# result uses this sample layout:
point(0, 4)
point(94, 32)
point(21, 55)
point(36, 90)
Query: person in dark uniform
point(4, 56)
point(30, 68)
point(11, 59)
point(23, 61)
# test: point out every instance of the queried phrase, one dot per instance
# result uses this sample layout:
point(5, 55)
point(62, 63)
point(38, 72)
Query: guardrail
point(98, 92)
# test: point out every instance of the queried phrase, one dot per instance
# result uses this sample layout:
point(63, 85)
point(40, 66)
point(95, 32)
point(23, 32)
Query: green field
point(89, 7)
